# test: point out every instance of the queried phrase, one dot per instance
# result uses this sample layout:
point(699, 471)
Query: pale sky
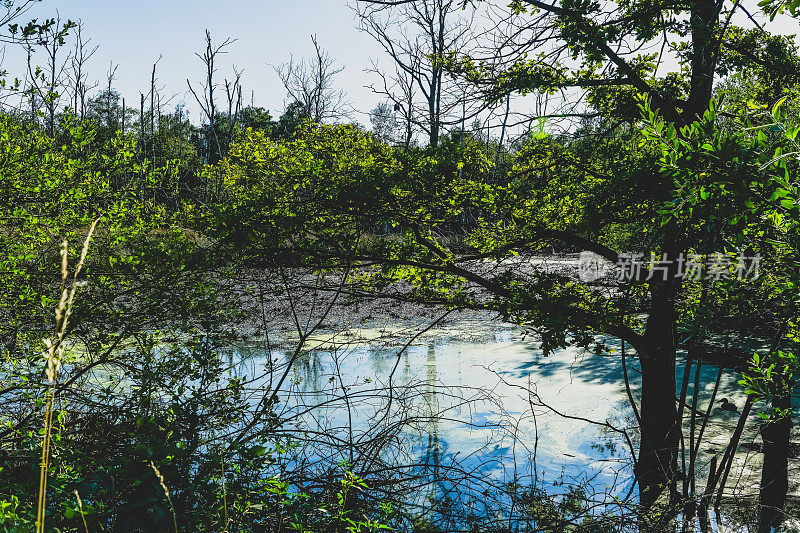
point(134, 34)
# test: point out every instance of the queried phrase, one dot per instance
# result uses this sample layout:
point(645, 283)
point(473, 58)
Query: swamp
point(529, 266)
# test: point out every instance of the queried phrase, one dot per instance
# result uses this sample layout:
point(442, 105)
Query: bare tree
point(417, 36)
point(233, 94)
point(155, 97)
point(310, 84)
point(151, 118)
point(78, 76)
point(400, 92)
point(206, 100)
point(111, 75)
point(103, 108)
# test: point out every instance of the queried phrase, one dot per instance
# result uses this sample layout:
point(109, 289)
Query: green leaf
point(776, 109)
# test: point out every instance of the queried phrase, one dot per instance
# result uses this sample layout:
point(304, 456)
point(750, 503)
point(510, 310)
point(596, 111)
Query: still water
point(474, 405)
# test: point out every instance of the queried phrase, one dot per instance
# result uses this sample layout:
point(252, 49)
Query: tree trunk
point(774, 473)
point(660, 429)
point(658, 448)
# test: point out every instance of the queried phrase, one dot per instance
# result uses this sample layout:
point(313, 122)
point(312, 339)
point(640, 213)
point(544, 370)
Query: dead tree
point(111, 75)
point(206, 99)
point(233, 94)
point(417, 36)
point(401, 97)
point(153, 109)
point(141, 124)
point(310, 84)
point(81, 55)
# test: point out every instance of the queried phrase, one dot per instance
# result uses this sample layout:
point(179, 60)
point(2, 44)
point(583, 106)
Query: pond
point(473, 405)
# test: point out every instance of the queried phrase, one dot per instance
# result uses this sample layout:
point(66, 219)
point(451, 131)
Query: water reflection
point(467, 404)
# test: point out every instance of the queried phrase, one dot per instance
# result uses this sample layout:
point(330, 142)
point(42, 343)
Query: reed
point(166, 492)
point(80, 508)
point(55, 355)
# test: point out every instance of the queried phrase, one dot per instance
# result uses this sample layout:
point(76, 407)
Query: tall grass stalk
point(166, 492)
point(80, 508)
point(224, 497)
point(55, 354)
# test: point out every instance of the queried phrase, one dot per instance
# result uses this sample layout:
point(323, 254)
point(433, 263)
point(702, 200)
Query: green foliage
point(105, 111)
point(713, 169)
point(775, 7)
point(769, 62)
point(147, 342)
point(771, 377)
point(181, 206)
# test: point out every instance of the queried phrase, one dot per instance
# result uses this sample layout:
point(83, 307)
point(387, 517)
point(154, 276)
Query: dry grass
point(80, 508)
point(166, 492)
point(55, 354)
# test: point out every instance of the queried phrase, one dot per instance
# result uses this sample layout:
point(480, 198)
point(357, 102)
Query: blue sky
point(134, 34)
